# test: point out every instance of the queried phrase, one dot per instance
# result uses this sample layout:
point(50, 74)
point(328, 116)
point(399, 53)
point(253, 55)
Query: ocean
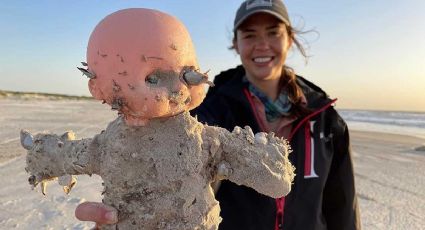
point(406, 123)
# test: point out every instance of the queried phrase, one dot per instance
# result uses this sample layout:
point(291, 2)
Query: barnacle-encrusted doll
point(157, 162)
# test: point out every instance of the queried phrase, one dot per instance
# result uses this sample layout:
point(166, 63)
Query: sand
point(390, 180)
point(390, 173)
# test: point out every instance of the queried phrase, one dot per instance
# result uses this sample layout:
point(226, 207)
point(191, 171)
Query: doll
point(157, 162)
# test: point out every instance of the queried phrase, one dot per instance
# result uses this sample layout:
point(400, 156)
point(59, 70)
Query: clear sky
point(370, 54)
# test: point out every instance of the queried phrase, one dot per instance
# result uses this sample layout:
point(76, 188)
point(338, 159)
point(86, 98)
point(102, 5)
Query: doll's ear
point(94, 90)
point(27, 140)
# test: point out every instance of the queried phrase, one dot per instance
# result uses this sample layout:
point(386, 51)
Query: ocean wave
point(408, 123)
point(411, 119)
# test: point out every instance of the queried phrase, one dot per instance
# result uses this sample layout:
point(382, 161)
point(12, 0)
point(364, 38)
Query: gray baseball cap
point(250, 7)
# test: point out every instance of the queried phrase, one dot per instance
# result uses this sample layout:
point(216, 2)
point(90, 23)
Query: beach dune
point(389, 169)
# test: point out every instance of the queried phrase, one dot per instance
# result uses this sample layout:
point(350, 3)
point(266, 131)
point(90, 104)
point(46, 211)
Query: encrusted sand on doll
point(157, 162)
point(160, 182)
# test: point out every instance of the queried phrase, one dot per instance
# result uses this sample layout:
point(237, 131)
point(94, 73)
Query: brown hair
point(288, 79)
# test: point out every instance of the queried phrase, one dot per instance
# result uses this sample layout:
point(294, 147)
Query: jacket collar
point(230, 84)
point(316, 97)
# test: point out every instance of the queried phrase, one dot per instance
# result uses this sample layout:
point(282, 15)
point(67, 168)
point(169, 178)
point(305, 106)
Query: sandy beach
point(390, 180)
point(389, 169)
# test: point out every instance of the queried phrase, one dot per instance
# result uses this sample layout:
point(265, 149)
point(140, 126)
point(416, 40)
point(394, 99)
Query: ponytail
point(288, 80)
point(288, 83)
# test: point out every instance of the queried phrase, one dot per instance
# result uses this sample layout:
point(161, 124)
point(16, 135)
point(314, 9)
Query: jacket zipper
point(280, 204)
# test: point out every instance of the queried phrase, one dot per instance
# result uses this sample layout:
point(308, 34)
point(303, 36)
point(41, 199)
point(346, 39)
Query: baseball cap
point(250, 7)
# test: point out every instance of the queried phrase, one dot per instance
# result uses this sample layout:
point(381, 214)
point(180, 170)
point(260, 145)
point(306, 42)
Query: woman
point(266, 95)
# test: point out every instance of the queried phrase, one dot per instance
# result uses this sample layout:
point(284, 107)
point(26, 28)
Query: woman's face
point(262, 42)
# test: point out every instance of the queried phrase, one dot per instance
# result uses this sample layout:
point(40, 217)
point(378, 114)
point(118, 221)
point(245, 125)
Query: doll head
point(142, 62)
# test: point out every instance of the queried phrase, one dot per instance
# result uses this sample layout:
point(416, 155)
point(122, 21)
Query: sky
point(370, 54)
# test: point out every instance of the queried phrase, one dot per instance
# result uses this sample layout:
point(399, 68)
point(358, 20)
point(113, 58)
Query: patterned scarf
point(274, 109)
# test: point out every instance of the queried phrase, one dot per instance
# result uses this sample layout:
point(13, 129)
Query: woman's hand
point(96, 212)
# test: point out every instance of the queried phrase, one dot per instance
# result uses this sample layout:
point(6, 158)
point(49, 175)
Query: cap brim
point(278, 16)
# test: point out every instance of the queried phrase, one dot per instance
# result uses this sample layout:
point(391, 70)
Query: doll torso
point(157, 175)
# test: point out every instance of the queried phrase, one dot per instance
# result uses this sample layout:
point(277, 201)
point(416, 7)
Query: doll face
point(139, 69)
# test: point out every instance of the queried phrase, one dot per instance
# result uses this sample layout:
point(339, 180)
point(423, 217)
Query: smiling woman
point(266, 94)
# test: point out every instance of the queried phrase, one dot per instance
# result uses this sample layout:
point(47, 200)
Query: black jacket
point(323, 193)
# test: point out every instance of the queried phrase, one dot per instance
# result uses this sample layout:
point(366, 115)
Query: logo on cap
point(256, 3)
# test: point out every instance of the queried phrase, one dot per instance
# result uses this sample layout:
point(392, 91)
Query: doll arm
point(258, 161)
point(50, 156)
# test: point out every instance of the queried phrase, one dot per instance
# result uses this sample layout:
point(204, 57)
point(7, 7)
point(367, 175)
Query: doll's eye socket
point(152, 79)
